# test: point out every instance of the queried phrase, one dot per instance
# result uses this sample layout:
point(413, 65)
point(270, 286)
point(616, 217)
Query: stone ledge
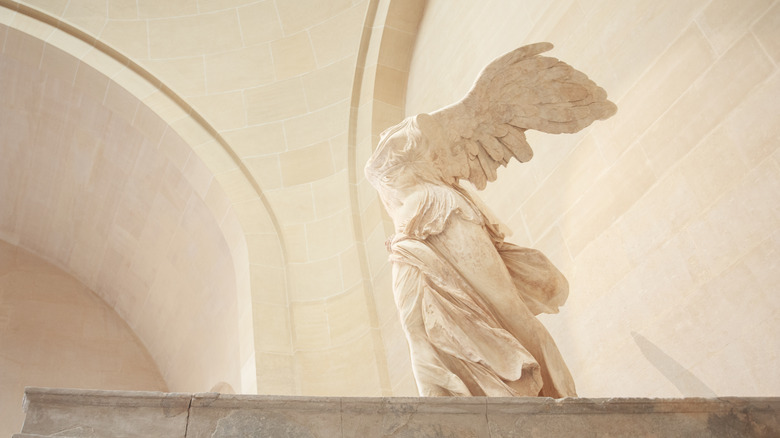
point(91, 397)
point(80, 413)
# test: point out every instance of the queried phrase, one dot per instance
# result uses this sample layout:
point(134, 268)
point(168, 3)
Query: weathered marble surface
point(91, 413)
point(79, 413)
point(220, 415)
point(467, 299)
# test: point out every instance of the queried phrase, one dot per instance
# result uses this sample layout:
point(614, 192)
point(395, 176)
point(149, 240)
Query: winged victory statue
point(467, 299)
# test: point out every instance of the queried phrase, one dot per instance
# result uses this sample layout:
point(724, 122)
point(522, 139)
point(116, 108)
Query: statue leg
point(432, 376)
point(469, 248)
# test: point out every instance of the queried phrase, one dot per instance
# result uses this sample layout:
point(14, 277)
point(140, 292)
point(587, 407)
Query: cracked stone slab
point(578, 417)
point(92, 413)
point(223, 415)
point(79, 413)
point(412, 417)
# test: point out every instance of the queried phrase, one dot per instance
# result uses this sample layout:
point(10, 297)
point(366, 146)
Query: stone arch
point(84, 73)
point(378, 98)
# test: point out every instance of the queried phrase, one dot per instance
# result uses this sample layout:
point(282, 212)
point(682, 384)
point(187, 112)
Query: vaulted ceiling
point(196, 164)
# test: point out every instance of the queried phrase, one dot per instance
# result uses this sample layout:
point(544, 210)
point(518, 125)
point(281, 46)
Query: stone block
point(91, 413)
point(635, 417)
point(83, 413)
point(221, 415)
point(414, 417)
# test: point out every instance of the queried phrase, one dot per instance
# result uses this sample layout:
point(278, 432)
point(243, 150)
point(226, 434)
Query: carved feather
point(518, 91)
point(477, 174)
point(515, 141)
point(493, 147)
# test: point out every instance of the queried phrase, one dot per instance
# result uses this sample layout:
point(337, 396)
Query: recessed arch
point(100, 185)
point(56, 332)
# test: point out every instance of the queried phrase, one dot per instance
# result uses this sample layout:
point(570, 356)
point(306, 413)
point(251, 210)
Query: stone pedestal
point(79, 413)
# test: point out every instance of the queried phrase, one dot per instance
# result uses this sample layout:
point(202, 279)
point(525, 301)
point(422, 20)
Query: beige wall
point(665, 218)
point(56, 332)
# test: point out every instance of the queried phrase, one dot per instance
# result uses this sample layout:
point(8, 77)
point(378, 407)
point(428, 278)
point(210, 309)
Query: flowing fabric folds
point(459, 346)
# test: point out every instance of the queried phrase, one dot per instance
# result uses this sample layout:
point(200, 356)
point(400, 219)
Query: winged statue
point(467, 299)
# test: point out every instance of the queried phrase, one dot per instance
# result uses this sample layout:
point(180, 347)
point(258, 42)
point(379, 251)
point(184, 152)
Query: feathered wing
point(516, 92)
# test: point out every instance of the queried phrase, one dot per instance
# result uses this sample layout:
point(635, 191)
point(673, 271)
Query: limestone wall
point(665, 218)
point(56, 332)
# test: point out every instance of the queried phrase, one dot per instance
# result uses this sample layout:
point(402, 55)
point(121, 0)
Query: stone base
point(80, 413)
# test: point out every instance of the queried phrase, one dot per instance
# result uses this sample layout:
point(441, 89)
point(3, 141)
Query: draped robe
point(467, 301)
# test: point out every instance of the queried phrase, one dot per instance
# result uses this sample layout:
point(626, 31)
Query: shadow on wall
point(685, 382)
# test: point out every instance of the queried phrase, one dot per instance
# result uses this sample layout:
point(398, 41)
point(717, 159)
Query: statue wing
point(516, 92)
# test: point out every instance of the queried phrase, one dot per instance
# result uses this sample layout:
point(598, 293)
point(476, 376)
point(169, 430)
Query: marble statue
point(467, 299)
